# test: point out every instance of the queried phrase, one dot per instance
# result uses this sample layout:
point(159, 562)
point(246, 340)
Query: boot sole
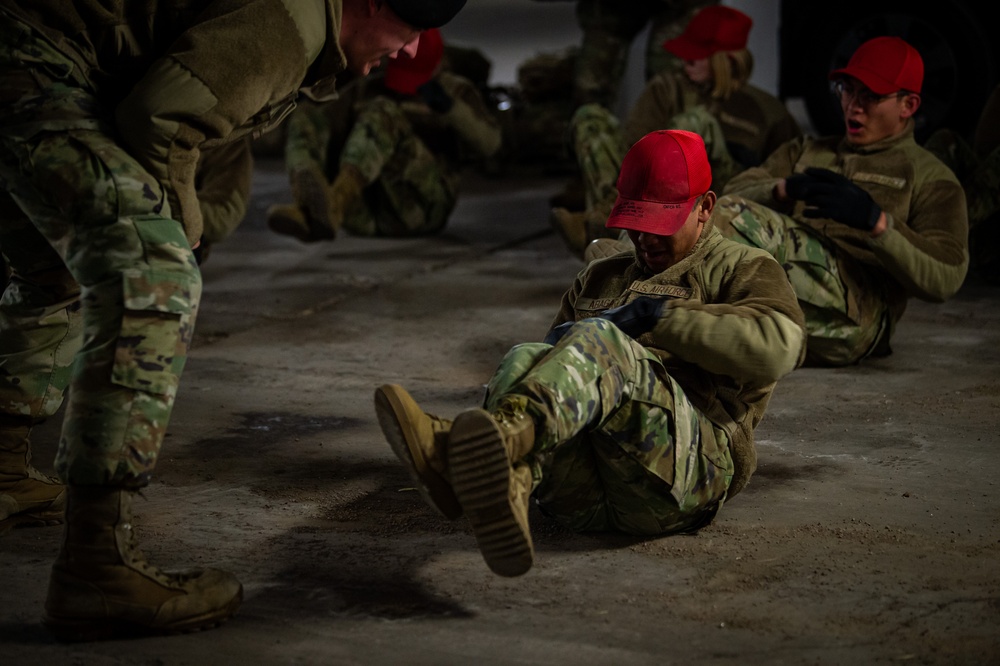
point(314, 203)
point(44, 519)
point(481, 477)
point(434, 489)
point(76, 630)
point(287, 227)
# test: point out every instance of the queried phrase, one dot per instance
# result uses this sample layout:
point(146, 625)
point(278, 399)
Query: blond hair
point(730, 71)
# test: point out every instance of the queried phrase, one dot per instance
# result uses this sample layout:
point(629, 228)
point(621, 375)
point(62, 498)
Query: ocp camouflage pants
point(844, 323)
point(609, 26)
point(410, 191)
point(596, 137)
point(104, 287)
point(618, 446)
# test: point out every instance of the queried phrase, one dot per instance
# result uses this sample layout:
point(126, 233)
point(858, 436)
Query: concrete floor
point(869, 534)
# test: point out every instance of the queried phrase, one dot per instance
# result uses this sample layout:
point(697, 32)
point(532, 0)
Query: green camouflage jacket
point(730, 329)
point(923, 254)
point(468, 131)
point(180, 75)
point(754, 122)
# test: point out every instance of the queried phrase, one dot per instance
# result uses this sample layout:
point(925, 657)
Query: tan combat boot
point(289, 220)
point(27, 496)
point(311, 194)
point(320, 207)
point(493, 485)
point(571, 227)
point(579, 228)
point(102, 587)
point(345, 193)
point(418, 440)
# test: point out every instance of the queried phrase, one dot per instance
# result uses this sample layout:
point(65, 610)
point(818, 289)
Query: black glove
point(799, 186)
point(637, 317)
point(435, 96)
point(633, 319)
point(833, 196)
point(555, 335)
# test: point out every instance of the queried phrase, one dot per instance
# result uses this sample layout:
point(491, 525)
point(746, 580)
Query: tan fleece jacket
point(754, 122)
point(924, 253)
point(731, 328)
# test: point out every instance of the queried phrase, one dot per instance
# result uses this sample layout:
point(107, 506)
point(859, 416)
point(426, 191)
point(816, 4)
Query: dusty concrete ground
point(869, 534)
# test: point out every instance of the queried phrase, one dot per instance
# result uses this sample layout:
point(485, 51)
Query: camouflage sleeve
point(928, 254)
point(470, 118)
point(203, 89)
point(223, 184)
point(754, 332)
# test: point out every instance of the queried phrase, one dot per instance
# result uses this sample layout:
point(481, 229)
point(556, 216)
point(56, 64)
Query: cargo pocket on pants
point(152, 343)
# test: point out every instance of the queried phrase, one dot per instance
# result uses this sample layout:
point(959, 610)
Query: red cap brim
point(651, 217)
point(872, 81)
point(685, 49)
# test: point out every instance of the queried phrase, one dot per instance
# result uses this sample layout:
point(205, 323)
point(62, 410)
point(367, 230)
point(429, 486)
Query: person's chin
point(654, 262)
point(365, 69)
point(857, 139)
point(855, 133)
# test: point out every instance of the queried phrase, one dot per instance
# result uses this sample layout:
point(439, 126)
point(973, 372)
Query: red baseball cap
point(885, 65)
point(405, 75)
point(714, 28)
point(662, 175)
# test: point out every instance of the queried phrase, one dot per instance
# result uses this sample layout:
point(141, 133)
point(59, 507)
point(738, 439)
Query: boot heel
point(487, 488)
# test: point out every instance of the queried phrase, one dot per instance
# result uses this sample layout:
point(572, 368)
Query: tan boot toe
point(418, 440)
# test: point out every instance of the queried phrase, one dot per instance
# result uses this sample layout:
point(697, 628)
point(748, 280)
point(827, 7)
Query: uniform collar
point(884, 144)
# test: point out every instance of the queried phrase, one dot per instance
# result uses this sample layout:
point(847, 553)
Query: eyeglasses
point(858, 93)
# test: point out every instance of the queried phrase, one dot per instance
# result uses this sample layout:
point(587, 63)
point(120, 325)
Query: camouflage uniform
point(853, 288)
point(977, 167)
point(99, 142)
point(609, 26)
point(535, 113)
point(551, 86)
point(652, 436)
point(739, 132)
point(599, 148)
point(409, 156)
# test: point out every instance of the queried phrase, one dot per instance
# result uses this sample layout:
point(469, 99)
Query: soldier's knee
point(592, 117)
point(596, 329)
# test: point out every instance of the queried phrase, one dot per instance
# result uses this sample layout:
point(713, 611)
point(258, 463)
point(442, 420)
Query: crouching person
point(637, 412)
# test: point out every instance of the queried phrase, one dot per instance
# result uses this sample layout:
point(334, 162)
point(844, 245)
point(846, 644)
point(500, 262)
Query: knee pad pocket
point(155, 330)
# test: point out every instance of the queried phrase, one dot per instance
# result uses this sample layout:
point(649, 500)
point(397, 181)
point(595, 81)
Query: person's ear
point(706, 206)
point(909, 106)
